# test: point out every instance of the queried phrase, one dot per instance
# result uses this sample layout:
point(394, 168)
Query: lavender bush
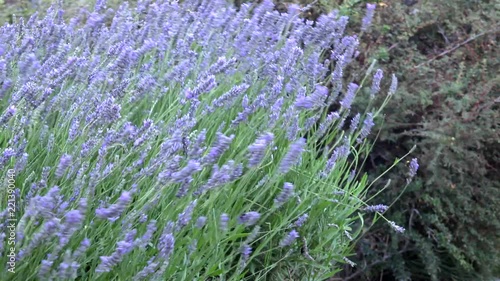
point(178, 142)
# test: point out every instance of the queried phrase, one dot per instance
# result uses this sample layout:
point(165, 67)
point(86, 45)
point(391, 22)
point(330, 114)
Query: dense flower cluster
point(139, 135)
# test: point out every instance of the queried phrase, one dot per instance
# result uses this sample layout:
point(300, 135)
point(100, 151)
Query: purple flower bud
point(285, 194)
point(146, 238)
point(221, 145)
point(349, 96)
point(246, 251)
point(394, 85)
point(149, 269)
point(166, 245)
point(367, 19)
point(204, 86)
point(11, 110)
point(115, 210)
point(257, 150)
point(300, 221)
point(354, 123)
point(249, 218)
point(64, 163)
point(290, 238)
point(224, 219)
point(201, 221)
point(396, 227)
point(380, 208)
point(379, 74)
point(185, 216)
point(413, 169)
point(123, 247)
point(192, 167)
point(367, 126)
point(293, 155)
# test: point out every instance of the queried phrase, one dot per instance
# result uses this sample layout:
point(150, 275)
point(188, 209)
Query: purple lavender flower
point(7, 154)
point(380, 208)
point(149, 269)
point(224, 219)
point(228, 98)
point(257, 150)
point(289, 238)
point(246, 251)
point(108, 111)
point(115, 210)
point(293, 155)
point(166, 245)
point(122, 248)
point(201, 221)
point(185, 216)
point(72, 221)
point(192, 167)
point(303, 102)
point(379, 74)
point(367, 19)
point(394, 85)
point(349, 96)
point(249, 218)
point(285, 194)
point(396, 227)
point(11, 110)
point(222, 144)
point(413, 169)
point(204, 86)
point(64, 163)
point(354, 123)
point(300, 221)
point(142, 242)
point(367, 126)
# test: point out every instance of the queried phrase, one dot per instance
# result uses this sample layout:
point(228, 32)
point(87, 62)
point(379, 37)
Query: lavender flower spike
point(377, 78)
point(114, 210)
point(349, 96)
point(293, 155)
point(257, 150)
point(224, 219)
point(249, 218)
point(380, 208)
point(413, 169)
point(290, 238)
point(63, 165)
point(285, 194)
point(367, 19)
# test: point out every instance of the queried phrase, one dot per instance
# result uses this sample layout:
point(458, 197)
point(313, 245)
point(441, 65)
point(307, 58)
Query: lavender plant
point(170, 142)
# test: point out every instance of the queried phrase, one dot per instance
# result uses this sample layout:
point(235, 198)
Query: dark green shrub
point(447, 104)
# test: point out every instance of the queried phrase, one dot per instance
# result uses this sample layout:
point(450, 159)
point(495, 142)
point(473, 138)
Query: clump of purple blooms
point(168, 140)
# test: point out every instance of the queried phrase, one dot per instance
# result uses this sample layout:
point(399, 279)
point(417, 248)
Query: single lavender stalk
point(285, 194)
point(64, 163)
point(413, 169)
point(115, 210)
point(367, 19)
point(293, 155)
point(257, 150)
point(377, 77)
point(289, 238)
point(224, 219)
point(380, 208)
point(249, 218)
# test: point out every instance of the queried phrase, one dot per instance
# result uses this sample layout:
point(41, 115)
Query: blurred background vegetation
point(447, 104)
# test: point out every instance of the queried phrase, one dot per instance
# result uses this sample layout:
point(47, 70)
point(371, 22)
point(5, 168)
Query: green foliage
point(447, 104)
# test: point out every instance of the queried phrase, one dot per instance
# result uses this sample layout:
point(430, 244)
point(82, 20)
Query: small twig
point(457, 46)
